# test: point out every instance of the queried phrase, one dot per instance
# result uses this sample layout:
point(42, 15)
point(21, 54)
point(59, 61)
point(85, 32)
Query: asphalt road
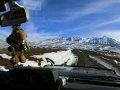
point(84, 60)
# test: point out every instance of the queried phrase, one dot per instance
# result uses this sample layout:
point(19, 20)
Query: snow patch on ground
point(116, 61)
point(28, 62)
point(101, 62)
point(5, 56)
point(60, 57)
point(3, 68)
point(105, 64)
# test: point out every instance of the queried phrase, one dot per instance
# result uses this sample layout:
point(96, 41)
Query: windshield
point(67, 33)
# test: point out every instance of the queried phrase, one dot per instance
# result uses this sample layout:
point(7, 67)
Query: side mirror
point(14, 17)
point(3, 6)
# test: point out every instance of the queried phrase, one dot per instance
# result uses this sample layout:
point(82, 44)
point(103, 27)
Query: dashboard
point(56, 79)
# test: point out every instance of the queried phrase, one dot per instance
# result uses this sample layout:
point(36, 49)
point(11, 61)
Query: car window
point(69, 32)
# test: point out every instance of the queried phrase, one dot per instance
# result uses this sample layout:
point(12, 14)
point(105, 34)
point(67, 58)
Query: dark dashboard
point(59, 78)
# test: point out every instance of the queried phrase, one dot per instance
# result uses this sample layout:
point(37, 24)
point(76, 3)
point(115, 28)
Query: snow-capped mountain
point(95, 40)
point(104, 41)
point(77, 42)
point(94, 43)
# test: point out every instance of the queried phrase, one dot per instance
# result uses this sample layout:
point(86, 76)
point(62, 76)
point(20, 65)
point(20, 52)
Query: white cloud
point(110, 33)
point(41, 36)
point(112, 21)
point(34, 35)
point(96, 25)
point(30, 27)
point(95, 7)
point(34, 4)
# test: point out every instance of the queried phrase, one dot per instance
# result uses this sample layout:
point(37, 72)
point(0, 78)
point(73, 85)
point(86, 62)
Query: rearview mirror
point(15, 17)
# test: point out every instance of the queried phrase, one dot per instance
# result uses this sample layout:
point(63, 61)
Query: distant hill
point(94, 43)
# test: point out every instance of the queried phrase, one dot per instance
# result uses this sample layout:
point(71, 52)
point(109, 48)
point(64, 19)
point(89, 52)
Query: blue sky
point(64, 18)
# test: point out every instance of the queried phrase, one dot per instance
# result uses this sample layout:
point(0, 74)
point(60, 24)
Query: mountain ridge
point(77, 42)
point(93, 43)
